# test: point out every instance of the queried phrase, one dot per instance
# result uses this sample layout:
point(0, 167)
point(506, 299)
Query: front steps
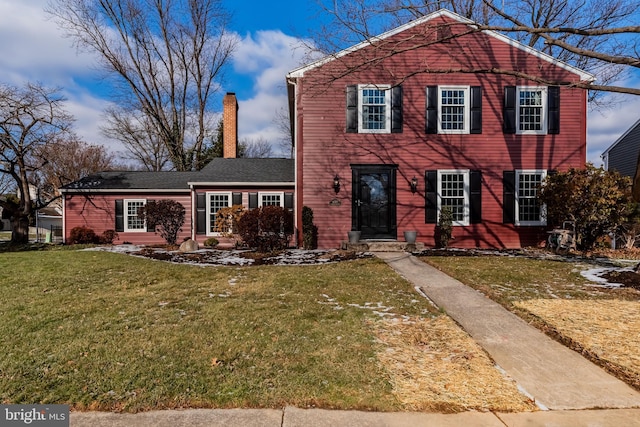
point(382, 246)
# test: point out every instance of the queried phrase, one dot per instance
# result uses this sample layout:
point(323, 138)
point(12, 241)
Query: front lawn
point(109, 331)
point(603, 324)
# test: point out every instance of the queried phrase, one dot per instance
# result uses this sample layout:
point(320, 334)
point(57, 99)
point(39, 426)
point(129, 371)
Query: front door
point(374, 201)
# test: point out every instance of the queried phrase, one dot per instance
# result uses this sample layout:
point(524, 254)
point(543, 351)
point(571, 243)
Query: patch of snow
point(595, 275)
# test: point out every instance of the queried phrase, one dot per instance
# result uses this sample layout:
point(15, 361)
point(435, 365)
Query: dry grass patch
point(607, 331)
point(435, 366)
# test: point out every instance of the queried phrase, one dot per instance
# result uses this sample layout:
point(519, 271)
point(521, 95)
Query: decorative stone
point(189, 246)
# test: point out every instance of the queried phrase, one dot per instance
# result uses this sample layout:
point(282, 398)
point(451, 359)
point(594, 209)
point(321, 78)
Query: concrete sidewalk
point(554, 376)
point(294, 417)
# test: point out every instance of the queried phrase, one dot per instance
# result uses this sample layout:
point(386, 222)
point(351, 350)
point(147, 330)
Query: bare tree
point(30, 118)
point(67, 160)
point(140, 138)
point(167, 55)
point(283, 122)
point(598, 36)
point(255, 148)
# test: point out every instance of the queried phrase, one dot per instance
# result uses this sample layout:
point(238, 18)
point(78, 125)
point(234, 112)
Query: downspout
point(293, 82)
point(194, 212)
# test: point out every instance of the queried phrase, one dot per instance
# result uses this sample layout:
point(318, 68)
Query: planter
point(354, 236)
point(410, 236)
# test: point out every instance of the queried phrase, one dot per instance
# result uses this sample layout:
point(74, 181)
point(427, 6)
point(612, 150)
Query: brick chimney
point(230, 126)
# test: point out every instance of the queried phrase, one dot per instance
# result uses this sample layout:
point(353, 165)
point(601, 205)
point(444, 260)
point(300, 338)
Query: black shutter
point(475, 197)
point(431, 125)
point(476, 109)
point(396, 109)
point(201, 213)
point(253, 200)
point(236, 199)
point(553, 107)
point(509, 110)
point(509, 197)
point(352, 109)
point(151, 228)
point(431, 208)
point(288, 201)
point(120, 215)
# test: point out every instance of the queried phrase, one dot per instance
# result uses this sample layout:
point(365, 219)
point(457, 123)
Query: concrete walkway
point(554, 376)
point(576, 391)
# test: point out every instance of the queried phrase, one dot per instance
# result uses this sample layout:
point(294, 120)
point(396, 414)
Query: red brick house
point(381, 145)
point(110, 200)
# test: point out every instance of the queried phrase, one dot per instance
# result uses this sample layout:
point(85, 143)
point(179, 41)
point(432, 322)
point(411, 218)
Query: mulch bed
point(628, 279)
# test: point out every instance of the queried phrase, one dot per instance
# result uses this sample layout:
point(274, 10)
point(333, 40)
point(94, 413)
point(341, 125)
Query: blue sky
point(270, 32)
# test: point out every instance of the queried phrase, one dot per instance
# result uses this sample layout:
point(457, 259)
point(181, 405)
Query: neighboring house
point(381, 147)
point(623, 154)
point(110, 200)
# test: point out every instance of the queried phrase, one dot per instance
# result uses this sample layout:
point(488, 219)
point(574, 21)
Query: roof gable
point(620, 139)
point(299, 72)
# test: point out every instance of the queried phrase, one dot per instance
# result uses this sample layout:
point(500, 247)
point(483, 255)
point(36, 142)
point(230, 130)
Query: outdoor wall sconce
point(414, 184)
point(336, 184)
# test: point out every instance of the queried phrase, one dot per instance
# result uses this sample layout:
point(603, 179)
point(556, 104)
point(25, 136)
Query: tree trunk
point(20, 229)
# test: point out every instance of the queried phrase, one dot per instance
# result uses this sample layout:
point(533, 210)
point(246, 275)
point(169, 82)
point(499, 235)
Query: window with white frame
point(132, 222)
point(215, 202)
point(271, 199)
point(531, 114)
point(453, 104)
point(529, 210)
point(375, 109)
point(453, 191)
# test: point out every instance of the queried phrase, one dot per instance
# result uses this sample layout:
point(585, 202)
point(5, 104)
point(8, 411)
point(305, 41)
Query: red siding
point(324, 149)
point(98, 213)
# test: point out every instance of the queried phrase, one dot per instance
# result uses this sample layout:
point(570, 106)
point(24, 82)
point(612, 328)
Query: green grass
point(510, 279)
point(107, 331)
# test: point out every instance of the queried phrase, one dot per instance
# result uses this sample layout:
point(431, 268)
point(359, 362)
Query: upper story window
point(529, 210)
point(454, 109)
point(215, 202)
point(532, 112)
point(374, 108)
point(271, 199)
point(453, 191)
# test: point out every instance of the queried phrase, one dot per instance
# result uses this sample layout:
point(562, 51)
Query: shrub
point(168, 215)
point(445, 227)
point(211, 242)
point(82, 235)
point(309, 229)
point(108, 236)
point(266, 229)
point(227, 219)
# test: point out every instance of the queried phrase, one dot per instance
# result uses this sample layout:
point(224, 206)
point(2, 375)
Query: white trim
point(543, 220)
point(271, 193)
point(467, 110)
point(300, 71)
point(90, 191)
point(208, 195)
point(125, 215)
point(466, 193)
point(387, 104)
point(544, 105)
point(240, 184)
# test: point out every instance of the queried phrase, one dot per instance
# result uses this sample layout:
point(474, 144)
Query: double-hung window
point(132, 222)
point(215, 202)
point(453, 192)
point(529, 210)
point(453, 103)
point(531, 114)
point(375, 109)
point(271, 199)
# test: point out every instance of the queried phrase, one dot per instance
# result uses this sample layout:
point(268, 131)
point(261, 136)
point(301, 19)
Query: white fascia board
point(240, 184)
point(120, 190)
point(299, 72)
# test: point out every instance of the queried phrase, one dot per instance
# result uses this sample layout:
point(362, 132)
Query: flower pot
point(354, 236)
point(410, 236)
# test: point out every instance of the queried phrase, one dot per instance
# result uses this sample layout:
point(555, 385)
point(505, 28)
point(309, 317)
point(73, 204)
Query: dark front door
point(374, 201)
